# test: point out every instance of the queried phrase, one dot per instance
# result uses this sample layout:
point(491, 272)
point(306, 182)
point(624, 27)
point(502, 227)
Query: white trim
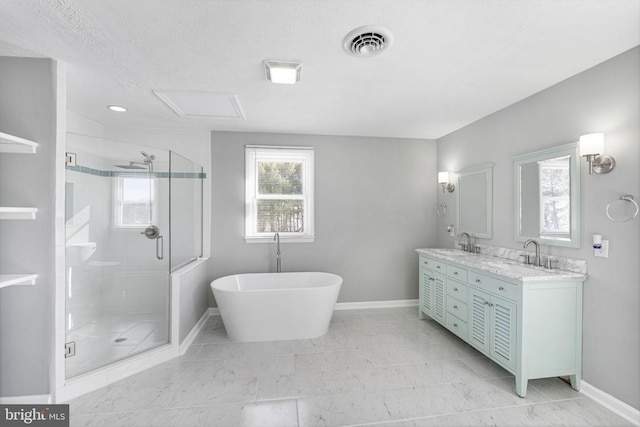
point(376, 304)
point(99, 378)
point(184, 346)
point(626, 411)
point(39, 399)
point(214, 311)
point(280, 147)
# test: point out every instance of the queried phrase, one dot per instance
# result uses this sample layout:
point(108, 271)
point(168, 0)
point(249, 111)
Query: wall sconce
point(443, 178)
point(591, 147)
point(283, 72)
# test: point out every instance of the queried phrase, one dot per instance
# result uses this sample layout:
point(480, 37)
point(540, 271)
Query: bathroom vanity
point(528, 320)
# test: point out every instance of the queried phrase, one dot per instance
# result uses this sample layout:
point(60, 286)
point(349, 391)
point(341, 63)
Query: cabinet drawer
point(457, 308)
point(457, 290)
point(458, 327)
point(432, 264)
point(495, 286)
point(457, 273)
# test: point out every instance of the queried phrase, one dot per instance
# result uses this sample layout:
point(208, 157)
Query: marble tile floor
point(381, 367)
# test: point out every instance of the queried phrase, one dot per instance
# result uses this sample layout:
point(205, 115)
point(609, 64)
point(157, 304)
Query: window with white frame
point(134, 201)
point(279, 193)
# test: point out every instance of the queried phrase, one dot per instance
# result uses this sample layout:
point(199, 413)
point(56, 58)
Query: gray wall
point(603, 99)
point(28, 110)
point(374, 204)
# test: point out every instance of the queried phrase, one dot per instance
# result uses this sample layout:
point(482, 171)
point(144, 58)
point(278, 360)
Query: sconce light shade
point(443, 178)
point(592, 147)
point(283, 72)
point(592, 143)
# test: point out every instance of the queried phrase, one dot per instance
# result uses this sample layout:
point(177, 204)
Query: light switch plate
point(603, 252)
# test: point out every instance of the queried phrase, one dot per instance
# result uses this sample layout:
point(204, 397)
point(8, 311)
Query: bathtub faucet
point(277, 239)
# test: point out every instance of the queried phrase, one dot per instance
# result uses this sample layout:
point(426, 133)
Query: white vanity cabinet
point(530, 325)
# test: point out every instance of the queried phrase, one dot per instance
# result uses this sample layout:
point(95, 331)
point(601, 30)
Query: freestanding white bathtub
point(276, 306)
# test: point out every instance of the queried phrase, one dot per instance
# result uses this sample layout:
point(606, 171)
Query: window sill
point(283, 239)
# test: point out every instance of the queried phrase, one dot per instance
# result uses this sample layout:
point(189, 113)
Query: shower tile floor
point(381, 367)
point(114, 337)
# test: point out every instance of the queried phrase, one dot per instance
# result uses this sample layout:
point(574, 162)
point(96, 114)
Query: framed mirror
point(547, 196)
point(475, 201)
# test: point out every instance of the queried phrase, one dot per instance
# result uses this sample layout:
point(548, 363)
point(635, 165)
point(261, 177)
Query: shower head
point(148, 156)
point(131, 165)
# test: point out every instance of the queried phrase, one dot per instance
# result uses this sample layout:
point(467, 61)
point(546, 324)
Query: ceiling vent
point(367, 41)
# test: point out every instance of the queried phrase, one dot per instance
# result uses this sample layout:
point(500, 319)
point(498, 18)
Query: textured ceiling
point(452, 61)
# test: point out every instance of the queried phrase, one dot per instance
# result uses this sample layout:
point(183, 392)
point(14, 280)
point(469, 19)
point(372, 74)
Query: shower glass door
point(117, 251)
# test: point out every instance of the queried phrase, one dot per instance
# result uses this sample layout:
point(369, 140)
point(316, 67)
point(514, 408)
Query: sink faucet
point(276, 238)
point(537, 260)
point(467, 247)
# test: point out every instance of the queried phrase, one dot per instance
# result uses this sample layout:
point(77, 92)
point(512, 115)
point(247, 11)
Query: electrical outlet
point(602, 252)
point(451, 230)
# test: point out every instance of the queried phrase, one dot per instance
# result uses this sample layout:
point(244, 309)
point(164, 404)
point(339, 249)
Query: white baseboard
point(193, 333)
point(40, 399)
point(628, 412)
point(376, 304)
point(214, 311)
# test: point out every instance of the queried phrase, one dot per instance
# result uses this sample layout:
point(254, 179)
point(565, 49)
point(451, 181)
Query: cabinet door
point(503, 331)
point(479, 323)
point(425, 290)
point(439, 291)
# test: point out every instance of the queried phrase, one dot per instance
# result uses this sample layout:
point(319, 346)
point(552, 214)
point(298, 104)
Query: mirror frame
point(571, 150)
point(485, 170)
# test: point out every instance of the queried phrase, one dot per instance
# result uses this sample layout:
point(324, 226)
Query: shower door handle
point(160, 247)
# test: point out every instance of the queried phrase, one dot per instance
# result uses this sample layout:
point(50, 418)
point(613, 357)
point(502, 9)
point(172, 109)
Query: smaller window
point(279, 193)
point(134, 201)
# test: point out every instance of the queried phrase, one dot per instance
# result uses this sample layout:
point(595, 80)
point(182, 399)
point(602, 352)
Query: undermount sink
point(515, 268)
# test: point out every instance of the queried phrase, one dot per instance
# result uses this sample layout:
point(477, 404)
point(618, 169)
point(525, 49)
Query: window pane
point(279, 178)
point(280, 216)
point(137, 189)
point(136, 213)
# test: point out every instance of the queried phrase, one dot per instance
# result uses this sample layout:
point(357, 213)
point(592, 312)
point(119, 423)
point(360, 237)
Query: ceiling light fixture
point(117, 108)
point(283, 72)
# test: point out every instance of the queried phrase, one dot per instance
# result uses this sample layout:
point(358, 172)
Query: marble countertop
point(500, 266)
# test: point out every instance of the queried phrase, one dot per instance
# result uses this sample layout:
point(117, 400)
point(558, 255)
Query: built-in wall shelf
point(15, 144)
point(18, 213)
point(17, 279)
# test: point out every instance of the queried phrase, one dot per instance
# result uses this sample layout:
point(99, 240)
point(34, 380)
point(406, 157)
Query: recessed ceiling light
point(283, 72)
point(117, 108)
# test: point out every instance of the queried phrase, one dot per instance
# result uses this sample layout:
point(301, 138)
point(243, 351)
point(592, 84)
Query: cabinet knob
point(477, 280)
point(455, 289)
point(431, 278)
point(437, 266)
point(455, 306)
point(486, 303)
point(455, 325)
point(455, 273)
point(501, 288)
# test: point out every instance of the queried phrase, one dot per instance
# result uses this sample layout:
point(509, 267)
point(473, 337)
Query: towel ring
point(442, 210)
point(627, 198)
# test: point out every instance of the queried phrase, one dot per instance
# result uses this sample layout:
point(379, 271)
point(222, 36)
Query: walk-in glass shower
point(133, 215)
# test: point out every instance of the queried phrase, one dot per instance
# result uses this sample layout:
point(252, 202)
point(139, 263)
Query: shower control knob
point(151, 232)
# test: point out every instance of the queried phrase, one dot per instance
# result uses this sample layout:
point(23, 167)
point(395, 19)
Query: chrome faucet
point(276, 238)
point(467, 247)
point(537, 260)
